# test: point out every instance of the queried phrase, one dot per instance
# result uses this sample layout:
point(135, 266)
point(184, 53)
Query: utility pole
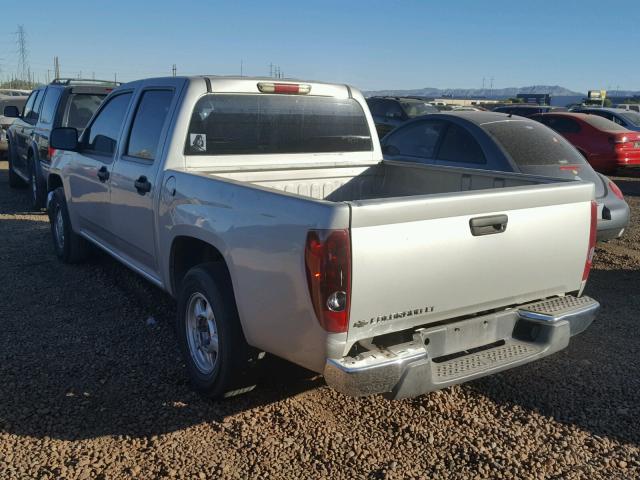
point(56, 67)
point(491, 89)
point(23, 52)
point(240, 67)
point(271, 70)
point(173, 70)
point(115, 78)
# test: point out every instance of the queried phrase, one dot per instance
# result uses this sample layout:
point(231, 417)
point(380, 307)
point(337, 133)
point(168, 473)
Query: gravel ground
point(92, 386)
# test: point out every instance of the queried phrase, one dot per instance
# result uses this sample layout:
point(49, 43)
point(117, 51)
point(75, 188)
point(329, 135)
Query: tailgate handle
point(488, 225)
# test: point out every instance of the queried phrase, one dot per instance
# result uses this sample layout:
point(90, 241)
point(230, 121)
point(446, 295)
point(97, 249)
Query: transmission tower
point(23, 52)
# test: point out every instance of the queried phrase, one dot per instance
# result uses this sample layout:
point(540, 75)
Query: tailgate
point(415, 260)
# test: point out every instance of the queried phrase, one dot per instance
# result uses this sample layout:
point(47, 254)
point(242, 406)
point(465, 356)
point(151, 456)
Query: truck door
point(133, 181)
point(89, 175)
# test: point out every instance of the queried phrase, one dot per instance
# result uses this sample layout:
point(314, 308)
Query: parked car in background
point(494, 141)
point(14, 98)
point(634, 107)
point(627, 118)
point(604, 144)
point(525, 110)
point(266, 209)
point(13, 92)
point(62, 103)
point(389, 112)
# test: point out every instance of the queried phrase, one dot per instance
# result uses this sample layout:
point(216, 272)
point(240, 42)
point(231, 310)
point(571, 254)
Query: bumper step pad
point(559, 306)
point(482, 361)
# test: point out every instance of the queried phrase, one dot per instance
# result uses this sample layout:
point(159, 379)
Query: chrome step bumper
point(445, 355)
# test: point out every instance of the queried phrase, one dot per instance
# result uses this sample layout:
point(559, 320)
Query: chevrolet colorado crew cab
point(266, 209)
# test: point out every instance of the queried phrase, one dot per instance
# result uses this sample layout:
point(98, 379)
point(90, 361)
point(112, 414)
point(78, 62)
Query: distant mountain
point(553, 90)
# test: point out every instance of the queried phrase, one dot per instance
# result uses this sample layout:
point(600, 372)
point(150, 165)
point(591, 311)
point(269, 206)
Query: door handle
point(488, 225)
point(142, 185)
point(103, 174)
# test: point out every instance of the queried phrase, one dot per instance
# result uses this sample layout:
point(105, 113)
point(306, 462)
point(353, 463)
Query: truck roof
point(238, 84)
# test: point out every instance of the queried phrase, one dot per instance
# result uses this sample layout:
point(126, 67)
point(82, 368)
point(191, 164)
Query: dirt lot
point(92, 386)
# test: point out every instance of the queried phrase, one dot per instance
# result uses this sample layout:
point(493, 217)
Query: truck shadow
point(594, 384)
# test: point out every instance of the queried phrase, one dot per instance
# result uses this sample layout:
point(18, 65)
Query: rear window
point(416, 108)
point(602, 123)
point(224, 124)
point(631, 117)
point(80, 108)
point(531, 143)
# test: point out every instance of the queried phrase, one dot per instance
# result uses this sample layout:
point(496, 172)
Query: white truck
point(265, 208)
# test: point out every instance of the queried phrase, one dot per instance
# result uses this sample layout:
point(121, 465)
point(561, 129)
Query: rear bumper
point(445, 355)
point(615, 218)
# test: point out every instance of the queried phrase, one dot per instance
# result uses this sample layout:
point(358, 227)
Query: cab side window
point(148, 122)
point(28, 107)
point(102, 136)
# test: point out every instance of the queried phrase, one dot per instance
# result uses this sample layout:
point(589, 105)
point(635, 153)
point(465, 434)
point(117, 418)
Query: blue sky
point(370, 44)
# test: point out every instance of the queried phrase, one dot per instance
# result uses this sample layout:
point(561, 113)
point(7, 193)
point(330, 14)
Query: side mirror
point(11, 111)
point(64, 138)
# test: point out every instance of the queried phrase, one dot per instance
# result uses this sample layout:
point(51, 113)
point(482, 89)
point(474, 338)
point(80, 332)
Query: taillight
point(328, 265)
point(287, 88)
point(592, 242)
point(615, 190)
point(51, 152)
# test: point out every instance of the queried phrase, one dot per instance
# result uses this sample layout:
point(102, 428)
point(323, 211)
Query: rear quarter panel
point(261, 235)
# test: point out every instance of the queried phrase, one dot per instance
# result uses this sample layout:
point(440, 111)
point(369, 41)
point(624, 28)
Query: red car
point(605, 144)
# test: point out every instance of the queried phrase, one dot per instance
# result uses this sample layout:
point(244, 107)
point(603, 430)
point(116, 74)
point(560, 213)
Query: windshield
point(417, 108)
point(538, 150)
point(260, 124)
point(632, 117)
point(80, 109)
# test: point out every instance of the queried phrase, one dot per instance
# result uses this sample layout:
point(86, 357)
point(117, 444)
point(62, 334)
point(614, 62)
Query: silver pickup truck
point(265, 208)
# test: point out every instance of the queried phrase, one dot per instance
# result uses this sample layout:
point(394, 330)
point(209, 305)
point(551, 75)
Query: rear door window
point(48, 112)
point(459, 146)
point(562, 124)
point(415, 140)
point(148, 122)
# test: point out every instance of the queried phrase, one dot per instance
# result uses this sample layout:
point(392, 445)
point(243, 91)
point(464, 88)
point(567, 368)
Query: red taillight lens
point(328, 264)
point(592, 241)
point(52, 151)
point(616, 190)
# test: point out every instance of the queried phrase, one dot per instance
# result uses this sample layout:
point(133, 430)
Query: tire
point(207, 310)
point(14, 180)
point(37, 193)
point(68, 245)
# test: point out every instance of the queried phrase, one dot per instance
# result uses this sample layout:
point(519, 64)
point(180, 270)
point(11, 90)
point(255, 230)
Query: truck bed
point(381, 180)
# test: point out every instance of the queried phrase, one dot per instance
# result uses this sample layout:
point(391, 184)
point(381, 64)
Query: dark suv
point(62, 103)
point(390, 112)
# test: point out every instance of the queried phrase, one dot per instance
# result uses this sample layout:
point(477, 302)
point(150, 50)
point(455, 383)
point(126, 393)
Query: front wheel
point(68, 245)
point(209, 332)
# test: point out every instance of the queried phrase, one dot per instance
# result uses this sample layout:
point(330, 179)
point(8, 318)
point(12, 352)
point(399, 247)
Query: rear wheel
point(68, 245)
point(210, 336)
